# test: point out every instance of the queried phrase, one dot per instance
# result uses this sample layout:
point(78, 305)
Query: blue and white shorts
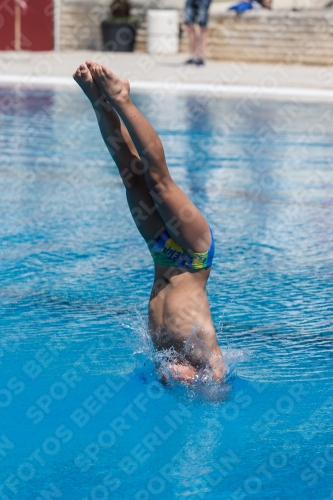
point(197, 10)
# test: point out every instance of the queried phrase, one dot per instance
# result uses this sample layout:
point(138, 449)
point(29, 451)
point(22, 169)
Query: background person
point(251, 4)
point(197, 11)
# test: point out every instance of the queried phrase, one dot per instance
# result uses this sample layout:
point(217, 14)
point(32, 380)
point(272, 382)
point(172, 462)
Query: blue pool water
point(82, 414)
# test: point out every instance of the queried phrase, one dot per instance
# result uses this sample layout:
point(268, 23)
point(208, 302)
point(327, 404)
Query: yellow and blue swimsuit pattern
point(166, 252)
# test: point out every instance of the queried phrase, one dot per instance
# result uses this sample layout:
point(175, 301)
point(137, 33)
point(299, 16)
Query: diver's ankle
point(122, 104)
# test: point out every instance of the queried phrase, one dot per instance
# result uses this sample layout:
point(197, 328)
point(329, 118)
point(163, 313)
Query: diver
point(177, 234)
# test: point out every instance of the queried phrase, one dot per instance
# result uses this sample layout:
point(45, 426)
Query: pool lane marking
point(181, 86)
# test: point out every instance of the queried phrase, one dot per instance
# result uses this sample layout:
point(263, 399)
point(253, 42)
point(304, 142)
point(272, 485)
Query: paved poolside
point(150, 72)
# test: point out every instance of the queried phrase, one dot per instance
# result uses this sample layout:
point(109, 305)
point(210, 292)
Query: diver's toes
point(85, 73)
point(99, 70)
point(108, 73)
point(91, 67)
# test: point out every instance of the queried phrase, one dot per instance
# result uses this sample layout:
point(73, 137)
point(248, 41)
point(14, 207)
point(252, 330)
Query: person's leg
point(124, 153)
point(203, 20)
point(192, 40)
point(203, 42)
point(183, 220)
point(189, 18)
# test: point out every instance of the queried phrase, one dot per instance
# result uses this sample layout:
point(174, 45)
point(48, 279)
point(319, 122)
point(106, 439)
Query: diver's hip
point(174, 327)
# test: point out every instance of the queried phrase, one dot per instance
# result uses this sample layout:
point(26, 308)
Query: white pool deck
point(167, 73)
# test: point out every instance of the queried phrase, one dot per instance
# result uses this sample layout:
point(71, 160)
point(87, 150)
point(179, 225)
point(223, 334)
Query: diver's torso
point(179, 306)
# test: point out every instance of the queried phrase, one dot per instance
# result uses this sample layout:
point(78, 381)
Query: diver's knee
point(158, 180)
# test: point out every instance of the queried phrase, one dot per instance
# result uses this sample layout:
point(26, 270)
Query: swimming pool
point(82, 413)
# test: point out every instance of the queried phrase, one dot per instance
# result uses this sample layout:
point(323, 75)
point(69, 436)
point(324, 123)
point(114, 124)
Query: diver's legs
point(184, 221)
point(122, 150)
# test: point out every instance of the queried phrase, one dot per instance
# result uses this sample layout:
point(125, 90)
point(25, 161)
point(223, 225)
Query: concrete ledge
point(209, 90)
point(158, 74)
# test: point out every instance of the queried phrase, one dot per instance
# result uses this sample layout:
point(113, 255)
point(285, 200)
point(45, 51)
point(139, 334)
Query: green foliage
point(120, 9)
point(120, 12)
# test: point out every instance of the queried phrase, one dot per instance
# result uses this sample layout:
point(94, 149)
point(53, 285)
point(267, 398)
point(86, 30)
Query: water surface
point(83, 415)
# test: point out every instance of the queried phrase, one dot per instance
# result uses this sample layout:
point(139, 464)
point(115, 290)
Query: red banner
point(35, 24)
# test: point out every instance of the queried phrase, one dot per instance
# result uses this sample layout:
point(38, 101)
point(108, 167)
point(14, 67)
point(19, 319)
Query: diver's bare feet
point(83, 78)
point(115, 90)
